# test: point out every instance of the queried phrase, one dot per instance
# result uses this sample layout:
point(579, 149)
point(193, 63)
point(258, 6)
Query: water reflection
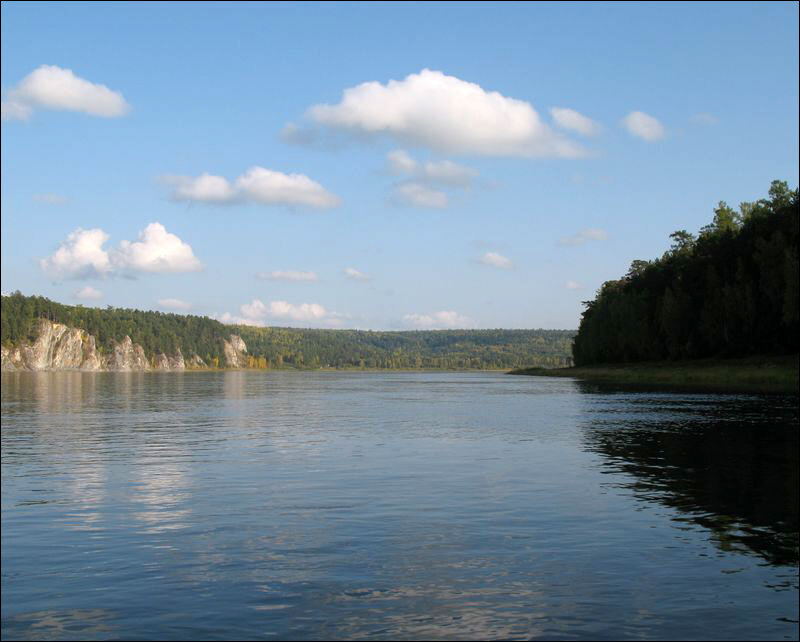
point(728, 464)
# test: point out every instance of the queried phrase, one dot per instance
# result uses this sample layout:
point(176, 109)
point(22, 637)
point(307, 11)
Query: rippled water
point(393, 505)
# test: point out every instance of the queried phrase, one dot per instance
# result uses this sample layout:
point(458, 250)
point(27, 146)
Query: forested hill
point(274, 347)
point(732, 290)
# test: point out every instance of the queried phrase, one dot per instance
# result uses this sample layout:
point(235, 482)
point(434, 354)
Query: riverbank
point(748, 374)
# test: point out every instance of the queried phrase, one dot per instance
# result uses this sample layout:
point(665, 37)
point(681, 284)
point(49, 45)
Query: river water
point(307, 505)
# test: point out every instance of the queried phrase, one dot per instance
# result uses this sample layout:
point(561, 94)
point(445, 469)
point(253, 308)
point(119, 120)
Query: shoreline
point(745, 374)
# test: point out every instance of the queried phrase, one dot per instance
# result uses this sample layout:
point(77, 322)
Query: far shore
point(748, 374)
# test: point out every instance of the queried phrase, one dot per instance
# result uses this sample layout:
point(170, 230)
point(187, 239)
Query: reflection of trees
point(731, 467)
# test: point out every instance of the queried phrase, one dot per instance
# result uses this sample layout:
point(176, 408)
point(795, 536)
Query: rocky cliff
point(235, 352)
point(58, 347)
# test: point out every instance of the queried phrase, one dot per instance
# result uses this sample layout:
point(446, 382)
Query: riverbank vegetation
point(730, 291)
point(273, 347)
point(746, 374)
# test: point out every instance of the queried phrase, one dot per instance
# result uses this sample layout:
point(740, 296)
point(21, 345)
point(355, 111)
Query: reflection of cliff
point(735, 473)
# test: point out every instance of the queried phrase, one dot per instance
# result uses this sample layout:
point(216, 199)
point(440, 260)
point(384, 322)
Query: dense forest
point(292, 347)
point(414, 349)
point(731, 290)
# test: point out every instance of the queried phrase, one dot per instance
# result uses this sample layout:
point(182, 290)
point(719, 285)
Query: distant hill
point(272, 347)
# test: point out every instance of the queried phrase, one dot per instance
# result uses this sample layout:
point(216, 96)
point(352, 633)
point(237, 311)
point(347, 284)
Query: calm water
point(379, 505)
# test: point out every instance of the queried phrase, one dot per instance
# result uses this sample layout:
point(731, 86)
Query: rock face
point(58, 347)
point(235, 350)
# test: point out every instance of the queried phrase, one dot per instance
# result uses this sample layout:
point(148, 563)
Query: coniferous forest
point(731, 290)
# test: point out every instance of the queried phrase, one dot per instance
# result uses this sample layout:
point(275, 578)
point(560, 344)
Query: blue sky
point(505, 159)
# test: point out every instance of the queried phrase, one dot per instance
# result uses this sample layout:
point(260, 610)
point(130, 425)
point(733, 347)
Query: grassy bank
point(757, 374)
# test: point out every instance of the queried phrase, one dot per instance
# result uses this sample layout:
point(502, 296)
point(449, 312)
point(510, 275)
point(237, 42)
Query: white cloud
point(51, 199)
point(446, 114)
point(267, 186)
point(205, 188)
point(355, 275)
point(443, 319)
point(644, 126)
point(174, 304)
point(257, 310)
point(88, 293)
point(496, 260)
point(257, 184)
point(574, 121)
point(51, 87)
point(586, 234)
point(704, 119)
point(444, 172)
point(401, 163)
point(82, 254)
point(418, 195)
point(573, 285)
point(156, 251)
point(288, 275)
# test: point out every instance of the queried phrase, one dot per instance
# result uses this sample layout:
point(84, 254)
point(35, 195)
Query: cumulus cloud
point(156, 251)
point(442, 319)
point(51, 87)
point(574, 121)
point(288, 275)
point(704, 119)
point(355, 275)
point(257, 312)
point(573, 285)
point(51, 199)
point(82, 255)
point(174, 304)
point(446, 114)
point(496, 260)
point(258, 185)
point(88, 293)
point(418, 195)
point(586, 234)
point(644, 126)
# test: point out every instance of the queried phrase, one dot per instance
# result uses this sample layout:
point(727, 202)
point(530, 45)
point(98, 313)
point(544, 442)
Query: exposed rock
point(128, 356)
point(58, 347)
point(176, 361)
point(235, 350)
point(196, 362)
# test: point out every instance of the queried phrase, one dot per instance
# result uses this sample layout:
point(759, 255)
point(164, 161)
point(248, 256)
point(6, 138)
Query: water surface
point(285, 505)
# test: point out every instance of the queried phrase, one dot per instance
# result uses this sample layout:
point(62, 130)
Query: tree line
point(731, 290)
point(277, 347)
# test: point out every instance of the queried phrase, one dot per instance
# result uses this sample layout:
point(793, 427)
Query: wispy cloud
point(355, 275)
point(704, 118)
point(573, 285)
point(174, 304)
point(575, 121)
point(418, 195)
point(494, 259)
point(644, 126)
point(88, 293)
point(51, 199)
point(442, 319)
point(288, 275)
point(585, 235)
